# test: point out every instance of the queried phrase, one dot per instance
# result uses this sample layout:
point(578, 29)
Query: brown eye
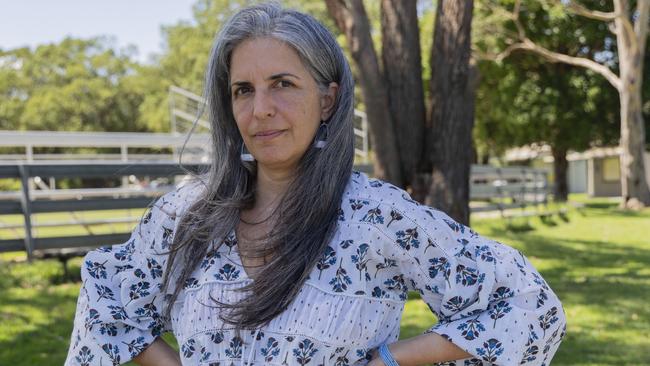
point(242, 90)
point(284, 83)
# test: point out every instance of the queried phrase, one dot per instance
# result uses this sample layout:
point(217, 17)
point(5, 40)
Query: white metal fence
point(500, 188)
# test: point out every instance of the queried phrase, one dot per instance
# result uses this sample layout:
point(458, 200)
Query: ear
point(328, 100)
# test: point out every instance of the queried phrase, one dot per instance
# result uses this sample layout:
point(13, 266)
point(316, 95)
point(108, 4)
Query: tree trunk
point(485, 159)
point(634, 187)
point(351, 18)
point(403, 79)
point(560, 169)
point(631, 48)
point(452, 115)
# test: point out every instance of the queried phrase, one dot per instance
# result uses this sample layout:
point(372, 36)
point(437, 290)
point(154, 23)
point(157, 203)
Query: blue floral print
point(271, 350)
point(328, 259)
point(488, 299)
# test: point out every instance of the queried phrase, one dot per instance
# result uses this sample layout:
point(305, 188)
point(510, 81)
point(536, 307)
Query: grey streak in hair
point(229, 185)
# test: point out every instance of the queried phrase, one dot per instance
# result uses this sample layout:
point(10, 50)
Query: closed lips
point(269, 133)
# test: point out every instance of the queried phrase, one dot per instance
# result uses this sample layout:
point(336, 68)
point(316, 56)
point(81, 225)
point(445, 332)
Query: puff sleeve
point(120, 304)
point(488, 297)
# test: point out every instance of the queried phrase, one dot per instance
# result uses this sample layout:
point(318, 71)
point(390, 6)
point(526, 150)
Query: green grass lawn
point(597, 259)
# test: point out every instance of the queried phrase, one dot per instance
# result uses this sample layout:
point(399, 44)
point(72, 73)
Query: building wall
point(604, 177)
point(598, 177)
point(577, 176)
point(647, 167)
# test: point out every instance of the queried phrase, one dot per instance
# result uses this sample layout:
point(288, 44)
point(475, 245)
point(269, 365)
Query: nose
point(263, 105)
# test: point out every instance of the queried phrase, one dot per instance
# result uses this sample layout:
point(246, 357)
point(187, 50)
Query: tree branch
point(524, 43)
point(609, 17)
point(621, 7)
point(515, 19)
point(578, 9)
point(338, 10)
point(551, 56)
point(641, 24)
point(497, 57)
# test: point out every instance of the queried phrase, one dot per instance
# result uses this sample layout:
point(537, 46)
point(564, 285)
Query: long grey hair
point(306, 217)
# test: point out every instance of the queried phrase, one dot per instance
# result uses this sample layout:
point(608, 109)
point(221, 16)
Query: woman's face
point(276, 102)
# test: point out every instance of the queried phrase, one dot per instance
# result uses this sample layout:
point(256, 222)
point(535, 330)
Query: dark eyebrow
point(236, 83)
point(281, 75)
point(272, 77)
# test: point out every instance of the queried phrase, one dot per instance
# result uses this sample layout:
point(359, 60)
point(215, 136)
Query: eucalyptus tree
point(524, 99)
point(628, 21)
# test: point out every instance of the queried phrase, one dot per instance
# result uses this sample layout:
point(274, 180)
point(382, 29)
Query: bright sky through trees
point(34, 22)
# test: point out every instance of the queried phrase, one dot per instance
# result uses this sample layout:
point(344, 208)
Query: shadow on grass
point(71, 275)
point(563, 216)
point(37, 305)
point(26, 275)
point(519, 226)
point(601, 205)
point(548, 220)
point(629, 213)
point(39, 342)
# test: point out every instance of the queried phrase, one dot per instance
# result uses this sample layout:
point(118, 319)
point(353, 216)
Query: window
point(611, 169)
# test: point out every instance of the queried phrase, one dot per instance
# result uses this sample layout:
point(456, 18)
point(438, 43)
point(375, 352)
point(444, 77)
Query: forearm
point(423, 349)
point(159, 353)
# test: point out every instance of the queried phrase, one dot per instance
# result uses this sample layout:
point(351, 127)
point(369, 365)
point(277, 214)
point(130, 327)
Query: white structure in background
point(122, 142)
point(596, 171)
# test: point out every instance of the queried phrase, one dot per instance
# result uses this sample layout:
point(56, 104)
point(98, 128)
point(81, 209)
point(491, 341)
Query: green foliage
point(86, 85)
point(525, 98)
point(426, 18)
point(76, 85)
point(9, 185)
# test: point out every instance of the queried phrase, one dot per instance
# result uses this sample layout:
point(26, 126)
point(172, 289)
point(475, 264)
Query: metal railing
point(508, 187)
point(521, 186)
point(28, 202)
point(118, 140)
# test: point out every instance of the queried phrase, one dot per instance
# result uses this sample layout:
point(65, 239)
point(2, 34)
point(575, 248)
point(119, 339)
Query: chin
point(277, 162)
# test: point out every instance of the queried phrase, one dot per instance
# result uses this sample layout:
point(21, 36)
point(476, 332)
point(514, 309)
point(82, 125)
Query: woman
point(283, 255)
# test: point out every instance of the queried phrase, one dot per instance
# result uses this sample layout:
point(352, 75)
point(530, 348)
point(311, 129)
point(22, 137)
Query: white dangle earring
point(245, 155)
point(321, 136)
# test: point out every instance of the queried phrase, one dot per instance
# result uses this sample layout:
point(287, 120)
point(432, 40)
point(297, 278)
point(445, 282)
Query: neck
point(271, 185)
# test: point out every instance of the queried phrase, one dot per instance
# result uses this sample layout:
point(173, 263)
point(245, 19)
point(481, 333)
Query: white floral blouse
point(489, 299)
